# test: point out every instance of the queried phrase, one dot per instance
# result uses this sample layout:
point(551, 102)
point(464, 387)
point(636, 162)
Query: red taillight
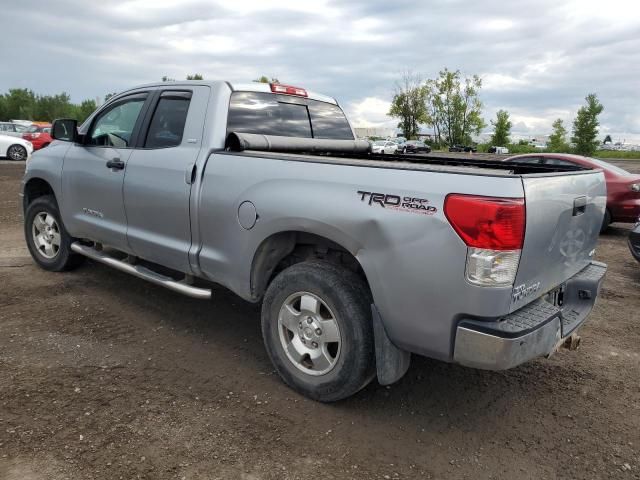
point(288, 90)
point(487, 222)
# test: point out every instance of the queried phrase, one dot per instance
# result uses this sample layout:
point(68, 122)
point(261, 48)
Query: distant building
point(366, 132)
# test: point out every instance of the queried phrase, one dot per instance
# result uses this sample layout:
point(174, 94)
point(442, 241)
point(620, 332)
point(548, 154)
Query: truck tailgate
point(564, 215)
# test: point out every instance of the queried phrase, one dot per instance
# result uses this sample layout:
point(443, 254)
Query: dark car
point(623, 188)
point(634, 242)
point(414, 146)
point(463, 148)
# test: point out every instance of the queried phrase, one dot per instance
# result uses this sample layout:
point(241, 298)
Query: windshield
point(608, 166)
point(379, 143)
point(286, 115)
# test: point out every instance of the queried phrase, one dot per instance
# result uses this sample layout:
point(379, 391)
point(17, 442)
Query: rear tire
point(606, 221)
point(317, 330)
point(47, 240)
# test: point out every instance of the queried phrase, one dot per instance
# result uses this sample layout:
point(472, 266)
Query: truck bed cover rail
point(349, 150)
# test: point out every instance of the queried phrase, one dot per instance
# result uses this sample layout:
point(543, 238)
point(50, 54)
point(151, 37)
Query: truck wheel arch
point(283, 249)
point(34, 188)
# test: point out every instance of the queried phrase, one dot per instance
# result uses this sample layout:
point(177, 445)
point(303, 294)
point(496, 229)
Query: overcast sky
point(538, 59)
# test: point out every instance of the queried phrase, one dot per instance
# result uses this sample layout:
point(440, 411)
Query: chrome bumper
point(532, 331)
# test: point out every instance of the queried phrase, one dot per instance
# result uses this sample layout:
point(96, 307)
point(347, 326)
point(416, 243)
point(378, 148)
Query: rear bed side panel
point(415, 263)
point(564, 215)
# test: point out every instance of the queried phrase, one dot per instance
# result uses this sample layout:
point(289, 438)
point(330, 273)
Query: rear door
point(157, 187)
point(564, 216)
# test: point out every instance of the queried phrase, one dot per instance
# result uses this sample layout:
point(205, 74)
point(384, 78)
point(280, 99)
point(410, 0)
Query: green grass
point(618, 154)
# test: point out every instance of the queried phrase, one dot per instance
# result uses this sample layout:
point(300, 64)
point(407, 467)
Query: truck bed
point(464, 166)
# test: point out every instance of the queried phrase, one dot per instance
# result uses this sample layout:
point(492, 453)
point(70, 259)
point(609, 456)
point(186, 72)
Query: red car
point(623, 188)
point(39, 135)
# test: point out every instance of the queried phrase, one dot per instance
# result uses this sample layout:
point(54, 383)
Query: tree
point(558, 139)
point(607, 139)
point(409, 105)
point(82, 111)
point(585, 126)
point(454, 106)
point(501, 129)
point(167, 79)
point(195, 76)
point(108, 96)
point(265, 79)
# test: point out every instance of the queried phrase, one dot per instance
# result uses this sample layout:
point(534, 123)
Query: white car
point(15, 148)
point(384, 146)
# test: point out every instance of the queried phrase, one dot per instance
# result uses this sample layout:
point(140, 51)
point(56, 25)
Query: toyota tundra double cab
point(359, 260)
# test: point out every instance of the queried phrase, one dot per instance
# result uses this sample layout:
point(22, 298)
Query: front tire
point(316, 325)
point(47, 239)
point(17, 153)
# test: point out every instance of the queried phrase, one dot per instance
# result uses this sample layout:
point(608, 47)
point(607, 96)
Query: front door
point(94, 171)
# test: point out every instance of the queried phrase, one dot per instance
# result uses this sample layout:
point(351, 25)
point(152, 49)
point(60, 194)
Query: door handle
point(579, 206)
point(115, 164)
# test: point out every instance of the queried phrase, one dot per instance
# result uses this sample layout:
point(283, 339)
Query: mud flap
point(391, 362)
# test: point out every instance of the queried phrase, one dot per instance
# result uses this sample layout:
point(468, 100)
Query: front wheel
point(316, 324)
point(17, 153)
point(47, 239)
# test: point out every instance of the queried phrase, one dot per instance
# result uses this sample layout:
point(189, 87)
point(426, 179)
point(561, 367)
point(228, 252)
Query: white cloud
point(370, 112)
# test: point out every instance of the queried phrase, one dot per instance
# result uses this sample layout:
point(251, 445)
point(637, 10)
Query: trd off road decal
point(396, 202)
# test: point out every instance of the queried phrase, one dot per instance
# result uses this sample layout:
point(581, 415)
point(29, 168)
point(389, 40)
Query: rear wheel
point(316, 324)
point(47, 239)
point(17, 153)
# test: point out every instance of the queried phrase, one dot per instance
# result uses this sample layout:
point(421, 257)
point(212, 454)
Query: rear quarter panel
point(415, 263)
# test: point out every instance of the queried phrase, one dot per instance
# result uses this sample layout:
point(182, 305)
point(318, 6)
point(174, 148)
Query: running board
point(142, 272)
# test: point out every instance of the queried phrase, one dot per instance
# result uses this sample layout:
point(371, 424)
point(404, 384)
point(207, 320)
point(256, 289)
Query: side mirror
point(65, 129)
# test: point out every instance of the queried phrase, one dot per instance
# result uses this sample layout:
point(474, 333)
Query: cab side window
point(114, 126)
point(559, 162)
point(167, 124)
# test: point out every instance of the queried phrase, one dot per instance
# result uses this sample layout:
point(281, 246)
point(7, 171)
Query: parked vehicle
point(39, 135)
point(11, 129)
point(463, 148)
point(358, 262)
point(623, 188)
point(414, 146)
point(15, 148)
point(498, 150)
point(634, 241)
point(384, 146)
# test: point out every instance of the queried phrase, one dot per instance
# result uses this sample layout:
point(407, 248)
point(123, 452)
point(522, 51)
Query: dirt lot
point(106, 376)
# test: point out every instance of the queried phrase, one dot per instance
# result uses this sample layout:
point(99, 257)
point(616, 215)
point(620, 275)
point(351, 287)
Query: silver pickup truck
point(359, 259)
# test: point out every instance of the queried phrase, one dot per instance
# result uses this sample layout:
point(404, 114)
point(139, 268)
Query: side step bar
point(142, 272)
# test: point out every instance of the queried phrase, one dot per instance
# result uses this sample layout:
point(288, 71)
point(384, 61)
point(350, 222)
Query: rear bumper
point(530, 332)
point(634, 243)
point(626, 211)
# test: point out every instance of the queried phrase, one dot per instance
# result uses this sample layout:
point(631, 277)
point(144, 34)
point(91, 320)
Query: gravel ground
point(106, 376)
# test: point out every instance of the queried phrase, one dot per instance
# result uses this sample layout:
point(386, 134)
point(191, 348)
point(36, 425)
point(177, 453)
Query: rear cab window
point(286, 115)
point(167, 124)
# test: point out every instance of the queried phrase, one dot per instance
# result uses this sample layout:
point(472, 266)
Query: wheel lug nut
point(314, 344)
point(318, 331)
point(300, 324)
point(309, 320)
